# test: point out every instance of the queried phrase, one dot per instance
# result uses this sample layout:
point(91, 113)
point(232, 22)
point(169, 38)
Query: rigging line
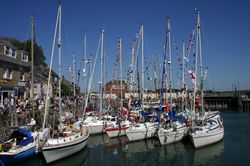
point(81, 64)
point(50, 68)
point(65, 46)
point(91, 76)
point(203, 40)
point(137, 62)
point(28, 33)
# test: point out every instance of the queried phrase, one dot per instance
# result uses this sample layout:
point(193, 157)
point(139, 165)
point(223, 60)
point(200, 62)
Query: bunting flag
point(155, 74)
point(192, 76)
point(71, 69)
point(204, 76)
point(86, 61)
point(149, 78)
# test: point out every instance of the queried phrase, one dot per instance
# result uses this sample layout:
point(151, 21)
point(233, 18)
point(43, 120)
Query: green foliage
point(39, 58)
point(65, 90)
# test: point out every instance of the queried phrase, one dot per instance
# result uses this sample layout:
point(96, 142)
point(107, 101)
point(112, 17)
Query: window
point(7, 51)
point(24, 57)
point(13, 53)
point(22, 76)
point(7, 73)
point(10, 52)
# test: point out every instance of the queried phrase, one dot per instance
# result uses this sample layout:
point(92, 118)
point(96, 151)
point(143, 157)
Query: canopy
point(180, 118)
point(23, 136)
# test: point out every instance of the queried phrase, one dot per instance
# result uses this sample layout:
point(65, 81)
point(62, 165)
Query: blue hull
point(9, 159)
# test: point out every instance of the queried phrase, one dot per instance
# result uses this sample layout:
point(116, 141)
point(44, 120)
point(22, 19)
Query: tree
point(39, 58)
point(65, 90)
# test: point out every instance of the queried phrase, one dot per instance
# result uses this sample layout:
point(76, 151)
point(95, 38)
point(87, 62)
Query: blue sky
point(225, 31)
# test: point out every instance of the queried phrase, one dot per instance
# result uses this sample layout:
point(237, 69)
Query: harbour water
point(233, 150)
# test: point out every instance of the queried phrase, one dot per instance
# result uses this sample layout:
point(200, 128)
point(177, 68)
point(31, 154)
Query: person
point(12, 110)
point(174, 127)
point(37, 103)
point(118, 122)
point(6, 102)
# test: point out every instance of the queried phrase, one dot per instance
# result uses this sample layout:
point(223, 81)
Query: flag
point(71, 69)
point(192, 76)
point(204, 75)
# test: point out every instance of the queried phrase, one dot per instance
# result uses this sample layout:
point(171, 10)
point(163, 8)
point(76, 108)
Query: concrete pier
point(228, 100)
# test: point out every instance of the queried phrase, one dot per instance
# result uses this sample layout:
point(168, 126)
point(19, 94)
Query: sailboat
point(23, 143)
point(207, 128)
point(142, 130)
point(119, 127)
point(96, 124)
point(176, 130)
point(69, 141)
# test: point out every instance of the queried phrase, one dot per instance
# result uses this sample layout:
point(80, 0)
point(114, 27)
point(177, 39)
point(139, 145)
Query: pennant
point(71, 69)
point(192, 76)
point(204, 75)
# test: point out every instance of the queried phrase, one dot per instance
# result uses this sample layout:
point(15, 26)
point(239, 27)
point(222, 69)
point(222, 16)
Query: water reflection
point(209, 155)
point(121, 151)
point(80, 158)
point(171, 151)
point(140, 147)
point(77, 159)
point(97, 140)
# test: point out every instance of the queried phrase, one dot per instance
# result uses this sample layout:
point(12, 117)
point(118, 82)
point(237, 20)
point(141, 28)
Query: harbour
point(128, 93)
point(101, 150)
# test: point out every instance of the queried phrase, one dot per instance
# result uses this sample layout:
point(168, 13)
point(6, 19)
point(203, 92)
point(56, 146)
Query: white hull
point(65, 147)
point(116, 132)
point(95, 128)
point(168, 136)
point(141, 131)
point(204, 139)
point(210, 132)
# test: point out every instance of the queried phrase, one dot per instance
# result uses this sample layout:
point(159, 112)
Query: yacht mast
point(183, 76)
point(60, 62)
point(101, 81)
point(32, 66)
point(201, 72)
point(50, 67)
point(132, 76)
point(120, 51)
point(170, 62)
point(196, 61)
point(142, 58)
point(85, 64)
point(91, 73)
point(74, 71)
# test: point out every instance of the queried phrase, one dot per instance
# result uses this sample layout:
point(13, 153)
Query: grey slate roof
point(6, 43)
